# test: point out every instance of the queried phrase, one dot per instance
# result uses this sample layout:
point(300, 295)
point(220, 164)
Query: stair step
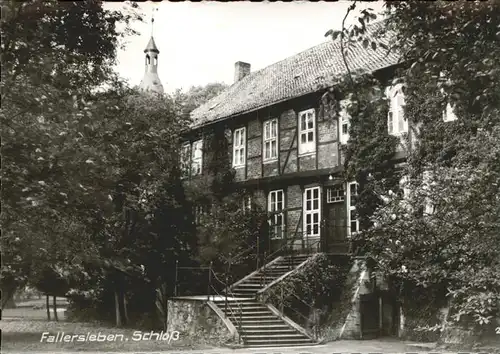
point(252, 312)
point(240, 302)
point(267, 331)
point(250, 285)
point(252, 292)
point(244, 308)
point(277, 341)
point(294, 335)
point(262, 322)
point(279, 344)
point(256, 318)
point(267, 326)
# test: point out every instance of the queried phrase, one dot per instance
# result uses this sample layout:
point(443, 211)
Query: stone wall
point(355, 286)
point(197, 320)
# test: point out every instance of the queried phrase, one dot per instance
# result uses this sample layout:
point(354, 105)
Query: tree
point(53, 56)
point(448, 51)
point(198, 95)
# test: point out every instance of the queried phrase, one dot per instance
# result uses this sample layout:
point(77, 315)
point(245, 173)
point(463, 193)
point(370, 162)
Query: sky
point(200, 42)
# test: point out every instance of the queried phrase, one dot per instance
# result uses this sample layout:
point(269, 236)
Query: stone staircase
point(251, 284)
point(258, 324)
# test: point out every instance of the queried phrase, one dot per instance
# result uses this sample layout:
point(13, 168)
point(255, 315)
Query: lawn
point(22, 335)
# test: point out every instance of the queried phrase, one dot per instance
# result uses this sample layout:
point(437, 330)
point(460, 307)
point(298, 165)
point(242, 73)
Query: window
point(246, 203)
point(404, 185)
point(449, 114)
point(449, 111)
point(396, 121)
point(185, 159)
point(352, 218)
point(148, 60)
point(311, 211)
point(335, 194)
point(199, 211)
point(197, 158)
point(270, 140)
point(239, 143)
point(344, 123)
point(275, 206)
point(307, 132)
point(427, 178)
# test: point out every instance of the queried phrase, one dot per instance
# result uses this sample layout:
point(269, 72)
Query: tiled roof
point(320, 66)
point(151, 47)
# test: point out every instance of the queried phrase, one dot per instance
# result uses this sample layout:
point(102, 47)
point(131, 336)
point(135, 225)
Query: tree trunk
point(125, 311)
point(47, 306)
point(117, 310)
point(55, 307)
point(7, 295)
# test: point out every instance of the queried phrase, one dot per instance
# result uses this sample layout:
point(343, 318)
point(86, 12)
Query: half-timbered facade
point(285, 143)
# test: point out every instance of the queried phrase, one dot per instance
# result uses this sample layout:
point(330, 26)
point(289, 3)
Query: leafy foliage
point(312, 293)
point(441, 238)
point(93, 200)
point(227, 230)
point(54, 56)
point(196, 96)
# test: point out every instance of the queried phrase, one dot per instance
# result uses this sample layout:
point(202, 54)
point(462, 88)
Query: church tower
point(151, 81)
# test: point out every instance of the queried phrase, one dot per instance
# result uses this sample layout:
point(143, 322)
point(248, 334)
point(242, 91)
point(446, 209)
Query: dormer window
point(344, 122)
point(396, 120)
point(307, 131)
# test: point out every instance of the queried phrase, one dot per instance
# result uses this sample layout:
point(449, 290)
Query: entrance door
point(369, 312)
point(335, 220)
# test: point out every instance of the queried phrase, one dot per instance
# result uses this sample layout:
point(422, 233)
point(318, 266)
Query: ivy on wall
point(314, 296)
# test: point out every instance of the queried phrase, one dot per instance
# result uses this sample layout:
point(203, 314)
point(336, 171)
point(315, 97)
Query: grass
point(22, 335)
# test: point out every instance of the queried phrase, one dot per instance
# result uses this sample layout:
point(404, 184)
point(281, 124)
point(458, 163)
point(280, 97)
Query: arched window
point(155, 60)
point(148, 60)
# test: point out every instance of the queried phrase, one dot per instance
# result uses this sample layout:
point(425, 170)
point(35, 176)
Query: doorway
point(335, 220)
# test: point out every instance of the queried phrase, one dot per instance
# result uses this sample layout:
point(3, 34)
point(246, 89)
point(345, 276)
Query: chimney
point(241, 70)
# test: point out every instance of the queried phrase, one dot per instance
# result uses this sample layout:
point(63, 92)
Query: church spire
point(151, 80)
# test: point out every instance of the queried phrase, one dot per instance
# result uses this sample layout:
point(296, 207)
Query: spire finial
point(153, 19)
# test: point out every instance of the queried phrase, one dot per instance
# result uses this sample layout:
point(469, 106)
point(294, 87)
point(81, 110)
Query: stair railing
point(315, 333)
point(263, 278)
point(226, 303)
point(176, 277)
point(289, 246)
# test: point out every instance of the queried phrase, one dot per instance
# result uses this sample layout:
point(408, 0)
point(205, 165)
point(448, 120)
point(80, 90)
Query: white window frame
point(351, 208)
point(246, 203)
point(276, 209)
point(310, 211)
point(449, 114)
point(185, 157)
point(270, 136)
point(335, 194)
point(239, 147)
point(427, 177)
point(197, 157)
point(308, 131)
point(344, 121)
point(397, 123)
point(404, 184)
point(199, 213)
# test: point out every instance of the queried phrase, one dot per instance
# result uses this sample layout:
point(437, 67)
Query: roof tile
point(306, 72)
